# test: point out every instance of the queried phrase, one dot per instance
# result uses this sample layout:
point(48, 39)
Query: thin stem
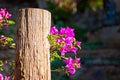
point(63, 57)
point(57, 70)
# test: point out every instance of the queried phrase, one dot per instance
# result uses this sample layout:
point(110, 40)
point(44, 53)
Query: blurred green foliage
point(89, 5)
point(58, 13)
point(65, 9)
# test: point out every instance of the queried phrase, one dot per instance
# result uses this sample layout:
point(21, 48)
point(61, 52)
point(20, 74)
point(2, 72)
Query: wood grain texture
point(32, 46)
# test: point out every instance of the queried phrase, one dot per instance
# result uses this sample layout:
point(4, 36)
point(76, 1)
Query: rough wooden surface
point(32, 46)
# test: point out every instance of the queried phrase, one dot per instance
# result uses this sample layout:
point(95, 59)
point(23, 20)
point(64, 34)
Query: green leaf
point(79, 47)
point(51, 59)
point(50, 38)
point(56, 55)
point(1, 66)
point(11, 22)
point(9, 39)
point(12, 45)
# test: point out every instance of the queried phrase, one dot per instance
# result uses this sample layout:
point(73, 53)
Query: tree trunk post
point(32, 46)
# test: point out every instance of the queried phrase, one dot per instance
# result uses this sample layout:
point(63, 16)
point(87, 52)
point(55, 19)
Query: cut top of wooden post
point(32, 46)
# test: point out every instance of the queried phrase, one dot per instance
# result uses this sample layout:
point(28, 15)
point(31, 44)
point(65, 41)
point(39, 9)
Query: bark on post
point(32, 46)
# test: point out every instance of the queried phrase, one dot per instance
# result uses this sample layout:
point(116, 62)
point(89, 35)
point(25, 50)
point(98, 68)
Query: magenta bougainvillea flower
point(70, 68)
point(1, 77)
point(77, 63)
point(53, 30)
point(64, 40)
point(4, 78)
point(71, 64)
point(4, 14)
point(78, 43)
point(7, 78)
point(69, 32)
point(3, 38)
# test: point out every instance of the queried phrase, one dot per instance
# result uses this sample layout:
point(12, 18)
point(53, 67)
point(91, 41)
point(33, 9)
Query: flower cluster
point(64, 41)
point(4, 15)
point(4, 78)
point(6, 42)
point(72, 65)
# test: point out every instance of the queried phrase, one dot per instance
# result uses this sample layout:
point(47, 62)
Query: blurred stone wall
point(117, 2)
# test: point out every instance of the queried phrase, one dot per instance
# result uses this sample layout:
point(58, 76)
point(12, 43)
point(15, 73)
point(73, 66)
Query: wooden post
point(32, 46)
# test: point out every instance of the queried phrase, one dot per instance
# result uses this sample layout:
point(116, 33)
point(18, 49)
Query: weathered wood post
point(32, 46)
